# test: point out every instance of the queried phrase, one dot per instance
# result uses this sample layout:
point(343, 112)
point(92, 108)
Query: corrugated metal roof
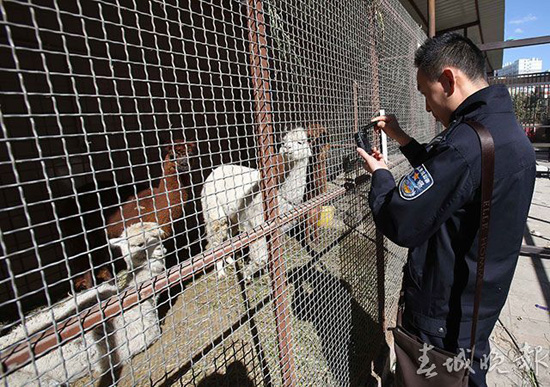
point(450, 14)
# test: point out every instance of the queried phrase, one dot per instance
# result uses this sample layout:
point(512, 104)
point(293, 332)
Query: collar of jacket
point(494, 99)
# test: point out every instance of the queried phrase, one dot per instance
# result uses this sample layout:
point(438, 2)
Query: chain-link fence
point(181, 197)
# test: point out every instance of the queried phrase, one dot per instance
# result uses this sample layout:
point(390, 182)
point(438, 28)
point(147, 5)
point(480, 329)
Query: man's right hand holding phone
point(390, 126)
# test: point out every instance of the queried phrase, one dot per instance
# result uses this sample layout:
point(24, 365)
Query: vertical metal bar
point(380, 247)
point(373, 57)
point(268, 161)
point(431, 18)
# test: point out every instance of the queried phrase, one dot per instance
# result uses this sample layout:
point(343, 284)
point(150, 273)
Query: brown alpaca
point(317, 175)
point(163, 204)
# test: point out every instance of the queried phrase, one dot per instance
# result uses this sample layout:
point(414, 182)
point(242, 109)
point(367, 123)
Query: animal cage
point(181, 197)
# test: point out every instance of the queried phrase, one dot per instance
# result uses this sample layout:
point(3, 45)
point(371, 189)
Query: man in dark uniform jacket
point(434, 210)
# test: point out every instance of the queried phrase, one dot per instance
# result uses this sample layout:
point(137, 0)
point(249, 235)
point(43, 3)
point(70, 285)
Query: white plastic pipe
point(384, 140)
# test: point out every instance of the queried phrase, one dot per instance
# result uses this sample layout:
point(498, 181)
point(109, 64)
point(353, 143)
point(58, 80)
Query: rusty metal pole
point(431, 18)
point(269, 161)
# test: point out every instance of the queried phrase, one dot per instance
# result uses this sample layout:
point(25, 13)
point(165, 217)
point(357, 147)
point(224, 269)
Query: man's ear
point(448, 81)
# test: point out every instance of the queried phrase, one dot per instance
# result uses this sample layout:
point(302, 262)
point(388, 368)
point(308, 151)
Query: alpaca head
point(178, 156)
point(295, 146)
point(139, 242)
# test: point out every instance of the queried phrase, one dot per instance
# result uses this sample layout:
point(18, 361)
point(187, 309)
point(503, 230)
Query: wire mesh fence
point(181, 197)
point(531, 97)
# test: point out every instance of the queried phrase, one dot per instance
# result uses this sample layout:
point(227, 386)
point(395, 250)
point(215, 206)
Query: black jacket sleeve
point(410, 221)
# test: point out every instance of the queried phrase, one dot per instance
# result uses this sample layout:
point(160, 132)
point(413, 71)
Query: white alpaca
point(111, 343)
point(232, 202)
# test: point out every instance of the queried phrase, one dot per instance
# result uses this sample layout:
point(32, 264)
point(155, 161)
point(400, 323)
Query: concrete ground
point(520, 343)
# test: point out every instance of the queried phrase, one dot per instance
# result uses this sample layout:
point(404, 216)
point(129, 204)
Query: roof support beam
point(431, 18)
point(515, 43)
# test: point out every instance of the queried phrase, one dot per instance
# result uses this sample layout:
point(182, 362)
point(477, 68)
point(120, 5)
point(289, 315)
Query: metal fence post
point(268, 165)
point(380, 242)
point(373, 55)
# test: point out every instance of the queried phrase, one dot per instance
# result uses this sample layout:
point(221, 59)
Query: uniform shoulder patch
point(415, 183)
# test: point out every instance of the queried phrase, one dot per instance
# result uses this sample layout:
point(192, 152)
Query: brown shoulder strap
point(487, 175)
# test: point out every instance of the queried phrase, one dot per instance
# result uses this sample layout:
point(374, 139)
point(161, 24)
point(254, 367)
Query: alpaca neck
point(169, 181)
point(172, 189)
point(293, 187)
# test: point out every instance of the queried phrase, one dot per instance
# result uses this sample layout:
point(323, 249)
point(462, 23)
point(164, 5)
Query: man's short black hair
point(450, 49)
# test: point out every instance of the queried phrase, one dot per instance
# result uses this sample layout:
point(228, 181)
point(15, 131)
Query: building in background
point(521, 66)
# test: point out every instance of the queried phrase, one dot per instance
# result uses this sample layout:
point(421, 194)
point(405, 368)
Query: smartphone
point(362, 137)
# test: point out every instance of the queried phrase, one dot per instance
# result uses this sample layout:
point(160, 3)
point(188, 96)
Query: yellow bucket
point(327, 216)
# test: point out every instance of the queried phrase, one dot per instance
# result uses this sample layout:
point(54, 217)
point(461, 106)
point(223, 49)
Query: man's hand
point(374, 161)
point(391, 127)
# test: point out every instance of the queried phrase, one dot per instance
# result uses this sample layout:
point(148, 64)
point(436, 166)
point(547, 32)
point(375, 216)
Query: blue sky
point(527, 19)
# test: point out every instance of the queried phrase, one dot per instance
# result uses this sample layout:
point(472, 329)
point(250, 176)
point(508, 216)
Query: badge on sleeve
point(415, 183)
